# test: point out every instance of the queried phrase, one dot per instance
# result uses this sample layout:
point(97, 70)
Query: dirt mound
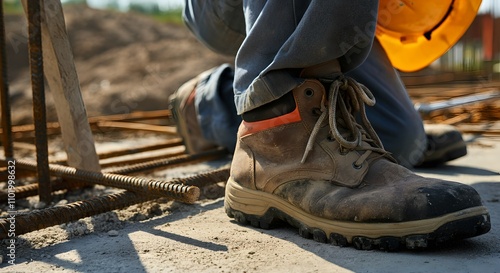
point(125, 62)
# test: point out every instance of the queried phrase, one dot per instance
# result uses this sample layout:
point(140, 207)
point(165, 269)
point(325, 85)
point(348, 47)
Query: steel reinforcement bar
point(36, 220)
point(183, 193)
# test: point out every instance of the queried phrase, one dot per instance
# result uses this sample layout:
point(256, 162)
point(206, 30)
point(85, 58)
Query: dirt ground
point(129, 62)
point(125, 62)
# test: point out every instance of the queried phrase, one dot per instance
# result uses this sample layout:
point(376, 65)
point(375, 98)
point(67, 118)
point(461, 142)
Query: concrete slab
point(201, 238)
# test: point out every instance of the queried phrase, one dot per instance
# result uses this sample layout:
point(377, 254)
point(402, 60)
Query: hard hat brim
point(410, 54)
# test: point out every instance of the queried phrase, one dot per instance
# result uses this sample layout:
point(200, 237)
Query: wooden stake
point(64, 85)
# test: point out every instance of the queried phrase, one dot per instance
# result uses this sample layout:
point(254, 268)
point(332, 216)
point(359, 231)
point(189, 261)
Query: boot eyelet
point(309, 92)
point(357, 167)
point(316, 111)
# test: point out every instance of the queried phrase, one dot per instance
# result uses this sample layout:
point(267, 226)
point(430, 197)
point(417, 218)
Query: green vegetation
point(172, 16)
point(12, 7)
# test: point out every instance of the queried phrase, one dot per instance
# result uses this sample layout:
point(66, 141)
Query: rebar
point(167, 144)
point(128, 151)
point(204, 179)
point(134, 116)
point(20, 174)
point(32, 189)
point(199, 180)
point(169, 162)
point(4, 93)
point(183, 193)
point(53, 128)
point(39, 110)
point(427, 108)
point(138, 160)
point(171, 130)
point(24, 223)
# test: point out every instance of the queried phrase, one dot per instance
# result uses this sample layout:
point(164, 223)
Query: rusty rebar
point(27, 131)
point(4, 174)
point(183, 193)
point(135, 126)
point(169, 162)
point(128, 151)
point(143, 159)
point(57, 215)
point(134, 116)
point(32, 189)
point(204, 179)
point(198, 180)
point(4, 93)
point(166, 144)
point(39, 110)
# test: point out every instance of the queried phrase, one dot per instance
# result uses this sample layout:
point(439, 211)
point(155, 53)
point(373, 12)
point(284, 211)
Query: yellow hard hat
point(415, 33)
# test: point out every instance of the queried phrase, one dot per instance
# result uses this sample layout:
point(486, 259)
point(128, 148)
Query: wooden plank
point(64, 85)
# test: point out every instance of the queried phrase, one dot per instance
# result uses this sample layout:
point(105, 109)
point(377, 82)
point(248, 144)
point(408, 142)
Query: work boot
point(444, 143)
point(318, 169)
point(186, 117)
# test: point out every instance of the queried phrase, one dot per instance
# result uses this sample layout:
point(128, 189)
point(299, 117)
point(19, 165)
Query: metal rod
point(128, 151)
point(199, 180)
point(4, 174)
point(40, 219)
point(204, 179)
point(39, 111)
point(53, 128)
point(169, 162)
point(427, 108)
point(141, 159)
point(171, 130)
point(186, 194)
point(32, 189)
point(167, 144)
point(5, 98)
point(27, 132)
point(134, 116)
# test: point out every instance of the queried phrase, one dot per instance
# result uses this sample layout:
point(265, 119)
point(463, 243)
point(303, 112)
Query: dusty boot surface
point(322, 172)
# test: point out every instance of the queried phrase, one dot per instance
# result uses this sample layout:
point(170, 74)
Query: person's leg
point(302, 157)
point(279, 44)
point(204, 112)
point(393, 117)
point(219, 25)
point(215, 107)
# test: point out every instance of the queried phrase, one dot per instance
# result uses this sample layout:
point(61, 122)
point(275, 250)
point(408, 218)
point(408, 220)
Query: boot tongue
point(347, 98)
point(344, 98)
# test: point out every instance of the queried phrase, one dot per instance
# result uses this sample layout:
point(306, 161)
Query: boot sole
point(264, 210)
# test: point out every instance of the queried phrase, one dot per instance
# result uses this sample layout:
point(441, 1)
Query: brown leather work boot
point(322, 172)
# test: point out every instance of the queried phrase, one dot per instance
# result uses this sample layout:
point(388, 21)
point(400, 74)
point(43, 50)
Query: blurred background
point(132, 54)
point(476, 55)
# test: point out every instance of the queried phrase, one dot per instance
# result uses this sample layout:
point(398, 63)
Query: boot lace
point(346, 98)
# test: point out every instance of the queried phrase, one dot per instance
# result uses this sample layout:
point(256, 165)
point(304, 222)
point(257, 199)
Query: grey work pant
point(273, 40)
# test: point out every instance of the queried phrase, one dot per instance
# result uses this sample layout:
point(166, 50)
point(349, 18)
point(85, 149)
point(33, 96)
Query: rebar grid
point(137, 189)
